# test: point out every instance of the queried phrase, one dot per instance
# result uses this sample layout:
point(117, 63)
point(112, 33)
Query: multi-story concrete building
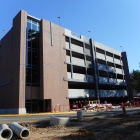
point(43, 65)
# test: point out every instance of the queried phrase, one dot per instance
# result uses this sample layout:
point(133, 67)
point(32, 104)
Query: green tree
point(135, 80)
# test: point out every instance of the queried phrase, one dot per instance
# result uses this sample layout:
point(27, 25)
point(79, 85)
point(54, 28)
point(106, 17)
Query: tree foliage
point(135, 80)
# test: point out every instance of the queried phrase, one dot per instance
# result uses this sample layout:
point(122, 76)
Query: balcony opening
point(88, 58)
point(67, 43)
point(100, 51)
point(68, 58)
point(68, 68)
point(112, 75)
point(80, 70)
point(109, 54)
point(110, 64)
point(117, 57)
point(103, 74)
point(76, 42)
point(77, 46)
point(77, 85)
point(67, 39)
point(90, 71)
point(119, 76)
point(77, 55)
point(87, 46)
point(111, 87)
point(118, 66)
point(67, 53)
point(101, 62)
point(69, 74)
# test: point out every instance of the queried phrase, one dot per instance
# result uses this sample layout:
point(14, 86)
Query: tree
point(135, 80)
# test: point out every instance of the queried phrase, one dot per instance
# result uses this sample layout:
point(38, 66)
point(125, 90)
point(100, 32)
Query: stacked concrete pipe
point(19, 130)
point(5, 132)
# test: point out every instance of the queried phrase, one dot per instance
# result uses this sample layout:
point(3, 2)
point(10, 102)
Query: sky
point(113, 23)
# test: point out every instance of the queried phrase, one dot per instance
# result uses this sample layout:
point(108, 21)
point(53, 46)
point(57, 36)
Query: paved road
point(46, 117)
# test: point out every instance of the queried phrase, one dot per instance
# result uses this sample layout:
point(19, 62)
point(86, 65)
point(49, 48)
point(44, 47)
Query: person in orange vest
point(123, 108)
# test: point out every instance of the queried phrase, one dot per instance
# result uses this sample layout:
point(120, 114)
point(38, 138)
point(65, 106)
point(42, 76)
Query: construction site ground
point(119, 127)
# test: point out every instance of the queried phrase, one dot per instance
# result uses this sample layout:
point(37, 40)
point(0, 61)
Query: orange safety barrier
point(97, 108)
point(102, 107)
point(63, 108)
point(137, 104)
point(90, 108)
point(111, 108)
point(134, 104)
point(106, 107)
point(56, 108)
point(76, 107)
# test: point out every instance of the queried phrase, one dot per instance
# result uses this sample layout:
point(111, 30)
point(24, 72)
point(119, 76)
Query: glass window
point(34, 28)
point(29, 57)
point(29, 43)
point(38, 28)
point(32, 54)
point(28, 75)
point(34, 58)
point(28, 27)
point(34, 22)
point(34, 75)
point(35, 43)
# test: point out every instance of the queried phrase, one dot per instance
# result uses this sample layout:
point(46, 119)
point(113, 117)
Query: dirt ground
point(121, 127)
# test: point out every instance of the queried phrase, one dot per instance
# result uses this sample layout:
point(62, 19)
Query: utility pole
point(59, 20)
point(122, 48)
point(89, 33)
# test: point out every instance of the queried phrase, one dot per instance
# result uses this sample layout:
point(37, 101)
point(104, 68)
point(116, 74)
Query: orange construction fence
point(60, 108)
point(131, 104)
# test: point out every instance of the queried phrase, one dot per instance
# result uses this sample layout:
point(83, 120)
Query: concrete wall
point(53, 68)
point(12, 63)
point(77, 48)
point(81, 93)
point(78, 61)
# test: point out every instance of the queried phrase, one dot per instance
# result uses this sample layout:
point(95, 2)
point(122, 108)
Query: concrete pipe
point(5, 132)
point(54, 120)
point(19, 130)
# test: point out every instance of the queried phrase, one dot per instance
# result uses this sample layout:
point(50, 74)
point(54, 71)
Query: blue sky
point(114, 23)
